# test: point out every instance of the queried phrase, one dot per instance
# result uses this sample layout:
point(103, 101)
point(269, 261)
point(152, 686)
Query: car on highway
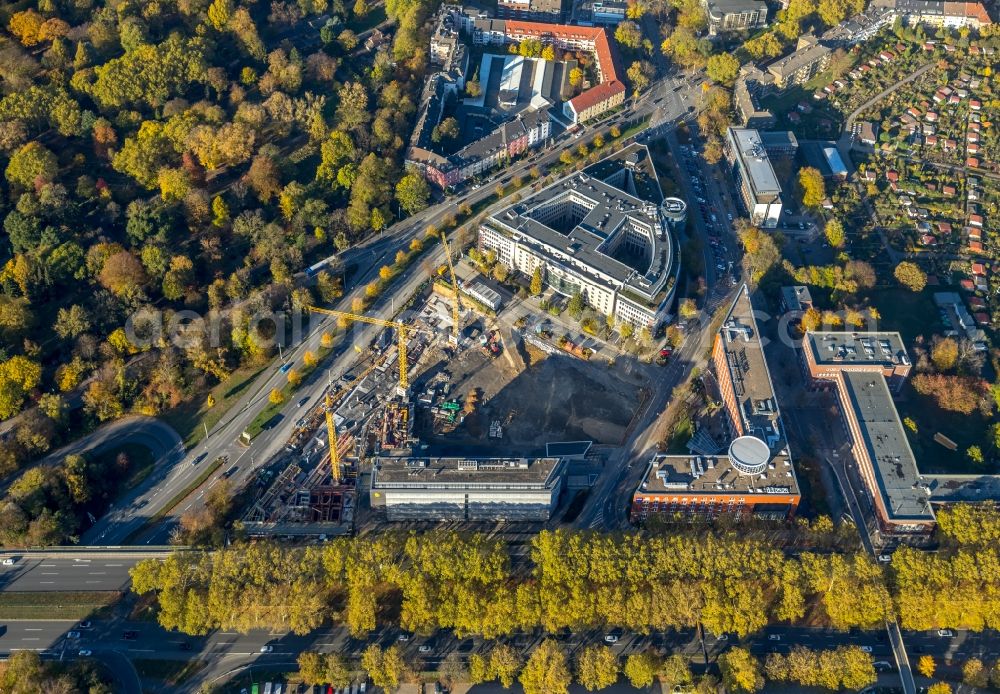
point(85, 624)
point(267, 649)
point(774, 637)
point(424, 648)
point(10, 561)
point(882, 666)
point(184, 646)
point(403, 638)
point(885, 558)
point(664, 356)
point(85, 652)
point(611, 638)
point(72, 634)
point(866, 649)
point(946, 633)
point(130, 635)
point(199, 458)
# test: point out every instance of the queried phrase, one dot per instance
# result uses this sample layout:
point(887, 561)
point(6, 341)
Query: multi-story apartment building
point(528, 130)
point(809, 58)
point(735, 15)
point(751, 168)
point(536, 10)
point(587, 234)
point(950, 15)
point(610, 90)
point(474, 489)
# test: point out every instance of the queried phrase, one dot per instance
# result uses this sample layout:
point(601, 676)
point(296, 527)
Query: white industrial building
point(476, 489)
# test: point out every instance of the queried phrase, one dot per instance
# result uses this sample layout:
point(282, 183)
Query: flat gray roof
point(456, 473)
point(600, 212)
point(735, 6)
point(748, 372)
point(899, 482)
point(874, 348)
point(754, 161)
point(806, 55)
point(715, 475)
point(795, 296)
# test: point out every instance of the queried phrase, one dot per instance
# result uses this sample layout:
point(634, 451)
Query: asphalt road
point(53, 574)
point(223, 651)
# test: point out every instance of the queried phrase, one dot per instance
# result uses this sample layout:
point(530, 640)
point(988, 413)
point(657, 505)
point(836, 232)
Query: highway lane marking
point(46, 582)
point(50, 573)
point(112, 564)
point(33, 638)
point(30, 629)
point(47, 566)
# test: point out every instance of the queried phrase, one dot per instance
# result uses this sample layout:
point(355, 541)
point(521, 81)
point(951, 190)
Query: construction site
point(444, 378)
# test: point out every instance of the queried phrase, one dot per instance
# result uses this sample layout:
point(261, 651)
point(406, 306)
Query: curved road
point(159, 437)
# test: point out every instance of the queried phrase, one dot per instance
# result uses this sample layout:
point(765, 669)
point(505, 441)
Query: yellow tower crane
point(331, 433)
point(456, 307)
point(401, 331)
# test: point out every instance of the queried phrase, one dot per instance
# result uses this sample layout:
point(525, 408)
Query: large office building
point(751, 168)
point(605, 232)
point(745, 482)
point(809, 59)
point(867, 368)
point(735, 15)
point(475, 489)
point(754, 476)
point(884, 457)
point(830, 352)
point(744, 379)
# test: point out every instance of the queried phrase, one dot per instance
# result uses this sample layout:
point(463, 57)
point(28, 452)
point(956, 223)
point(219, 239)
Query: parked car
point(73, 634)
point(946, 633)
point(85, 652)
point(267, 649)
point(424, 648)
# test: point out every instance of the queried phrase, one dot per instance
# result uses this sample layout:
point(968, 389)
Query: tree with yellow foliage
point(276, 397)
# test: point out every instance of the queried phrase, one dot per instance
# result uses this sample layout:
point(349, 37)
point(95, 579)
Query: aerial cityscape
point(505, 347)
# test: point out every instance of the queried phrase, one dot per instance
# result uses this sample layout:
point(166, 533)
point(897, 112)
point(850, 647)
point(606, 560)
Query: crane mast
point(456, 307)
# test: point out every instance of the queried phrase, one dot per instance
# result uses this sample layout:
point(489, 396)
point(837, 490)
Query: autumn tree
point(641, 669)
point(741, 671)
point(910, 276)
point(596, 668)
point(536, 282)
point(546, 671)
point(944, 354)
point(834, 231)
point(722, 68)
point(812, 187)
point(412, 193)
point(30, 164)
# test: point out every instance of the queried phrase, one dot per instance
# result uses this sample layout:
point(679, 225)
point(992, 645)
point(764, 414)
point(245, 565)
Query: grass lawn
point(171, 672)
point(140, 463)
point(909, 313)
point(190, 418)
point(374, 17)
point(964, 430)
point(49, 604)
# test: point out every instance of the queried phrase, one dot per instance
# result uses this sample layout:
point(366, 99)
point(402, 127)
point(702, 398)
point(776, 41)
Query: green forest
point(180, 155)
